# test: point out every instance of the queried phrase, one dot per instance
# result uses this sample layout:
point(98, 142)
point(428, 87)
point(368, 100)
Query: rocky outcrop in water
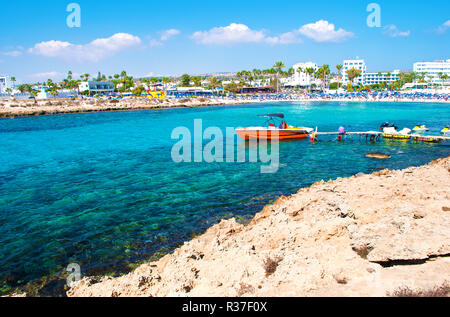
point(366, 235)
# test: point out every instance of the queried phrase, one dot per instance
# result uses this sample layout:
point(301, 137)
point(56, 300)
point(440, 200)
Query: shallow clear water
point(101, 189)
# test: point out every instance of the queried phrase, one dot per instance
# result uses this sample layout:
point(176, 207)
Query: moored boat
point(283, 131)
point(420, 128)
point(391, 133)
point(388, 125)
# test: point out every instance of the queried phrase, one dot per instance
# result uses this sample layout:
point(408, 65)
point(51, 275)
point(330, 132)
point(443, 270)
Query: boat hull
point(285, 134)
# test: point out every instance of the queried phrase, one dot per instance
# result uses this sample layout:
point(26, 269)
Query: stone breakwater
point(367, 235)
point(26, 108)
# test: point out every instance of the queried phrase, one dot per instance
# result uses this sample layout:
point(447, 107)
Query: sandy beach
point(381, 234)
point(24, 108)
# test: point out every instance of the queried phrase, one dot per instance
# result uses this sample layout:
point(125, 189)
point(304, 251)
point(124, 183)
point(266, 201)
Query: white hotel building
point(4, 84)
point(432, 70)
point(300, 77)
point(367, 78)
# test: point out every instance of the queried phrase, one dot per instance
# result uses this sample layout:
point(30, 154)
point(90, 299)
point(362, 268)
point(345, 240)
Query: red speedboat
point(283, 131)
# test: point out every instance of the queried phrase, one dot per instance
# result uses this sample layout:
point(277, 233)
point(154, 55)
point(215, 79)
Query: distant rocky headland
point(27, 108)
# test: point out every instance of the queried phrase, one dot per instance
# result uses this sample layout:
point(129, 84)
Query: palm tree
point(123, 74)
point(445, 78)
point(278, 66)
point(291, 71)
point(213, 83)
point(325, 72)
point(339, 68)
point(352, 74)
point(441, 78)
point(310, 72)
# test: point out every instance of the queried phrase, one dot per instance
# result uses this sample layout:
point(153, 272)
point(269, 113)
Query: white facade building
point(97, 87)
point(382, 77)
point(432, 70)
point(357, 64)
point(5, 83)
point(368, 78)
point(301, 78)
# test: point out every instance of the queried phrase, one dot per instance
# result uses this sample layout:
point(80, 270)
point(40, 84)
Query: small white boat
point(420, 128)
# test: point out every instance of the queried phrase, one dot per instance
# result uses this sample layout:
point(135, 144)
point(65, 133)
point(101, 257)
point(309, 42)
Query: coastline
point(22, 108)
point(26, 108)
point(330, 239)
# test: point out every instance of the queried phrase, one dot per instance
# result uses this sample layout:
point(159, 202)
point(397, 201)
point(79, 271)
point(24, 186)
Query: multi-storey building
point(301, 78)
point(382, 77)
point(431, 70)
point(367, 78)
point(357, 64)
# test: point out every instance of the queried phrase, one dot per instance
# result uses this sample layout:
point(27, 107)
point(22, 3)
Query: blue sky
point(176, 37)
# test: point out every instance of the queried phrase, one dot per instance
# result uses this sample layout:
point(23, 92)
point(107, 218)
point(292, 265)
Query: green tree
point(13, 79)
point(185, 80)
point(124, 77)
point(310, 72)
point(352, 74)
point(138, 90)
point(213, 83)
point(197, 80)
point(339, 69)
point(278, 66)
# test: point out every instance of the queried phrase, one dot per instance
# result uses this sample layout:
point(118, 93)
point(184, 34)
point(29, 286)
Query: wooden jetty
point(376, 135)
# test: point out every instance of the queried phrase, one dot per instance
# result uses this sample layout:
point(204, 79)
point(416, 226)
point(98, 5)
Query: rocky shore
point(26, 108)
point(383, 234)
point(10, 108)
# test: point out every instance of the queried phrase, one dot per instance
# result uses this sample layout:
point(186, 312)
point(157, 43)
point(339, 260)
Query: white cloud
point(231, 34)
point(93, 51)
point(393, 31)
point(47, 75)
point(154, 43)
point(167, 34)
point(320, 31)
point(444, 27)
point(323, 31)
point(12, 53)
point(285, 38)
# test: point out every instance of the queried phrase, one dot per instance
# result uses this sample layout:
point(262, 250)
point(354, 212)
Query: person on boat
point(283, 125)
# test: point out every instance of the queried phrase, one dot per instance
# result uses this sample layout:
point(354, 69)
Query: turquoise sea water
point(101, 189)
